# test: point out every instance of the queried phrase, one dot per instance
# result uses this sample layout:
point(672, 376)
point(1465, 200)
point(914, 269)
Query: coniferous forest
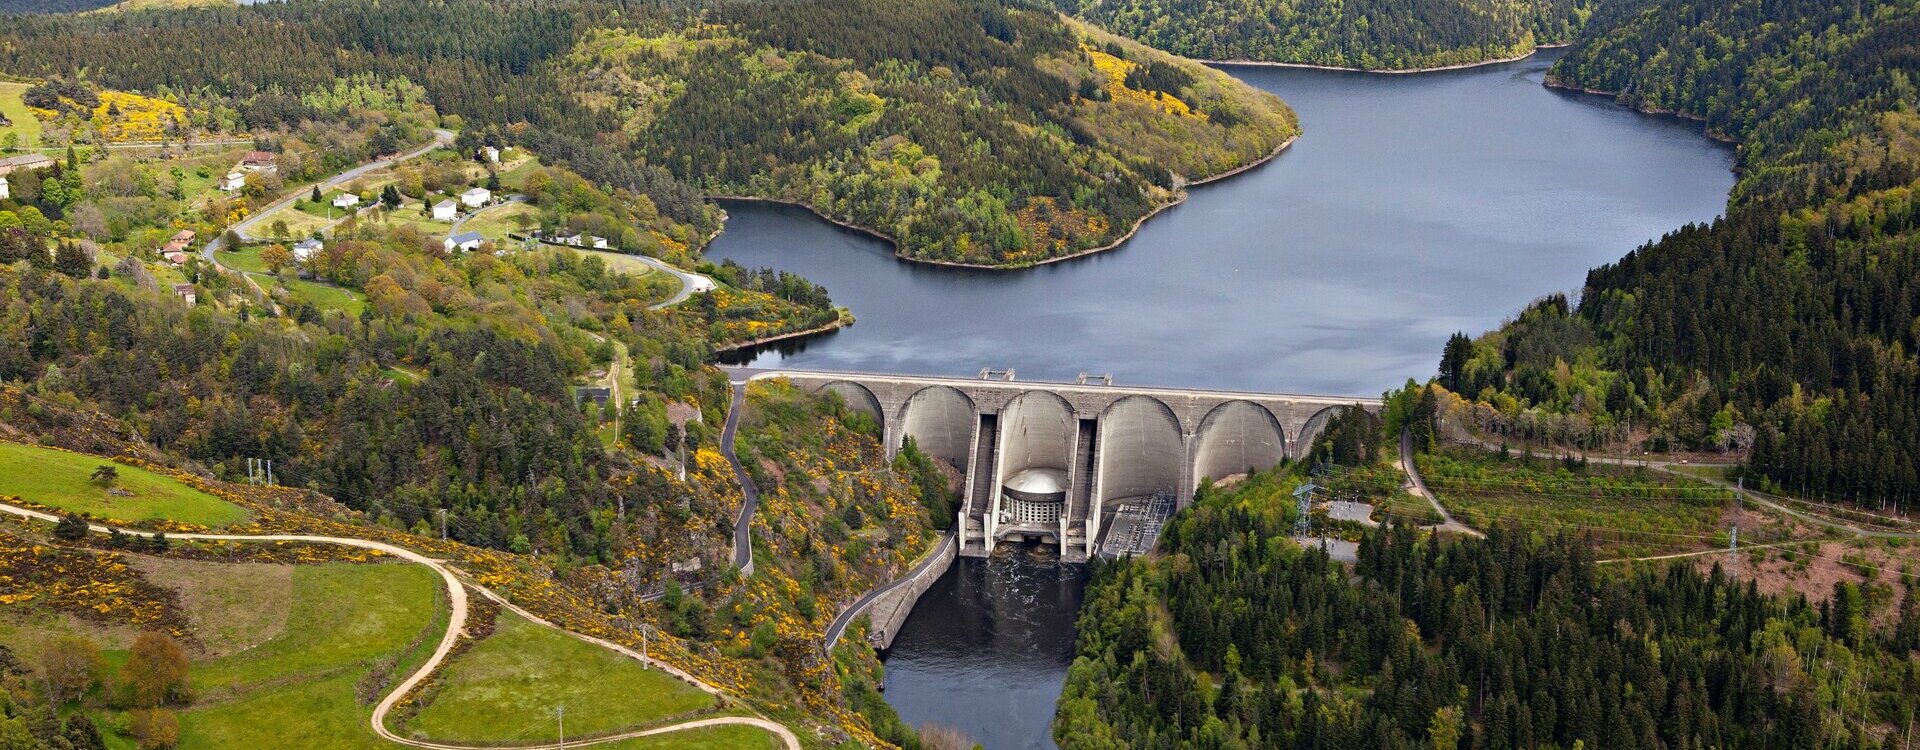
point(1790, 327)
point(1372, 35)
point(1234, 636)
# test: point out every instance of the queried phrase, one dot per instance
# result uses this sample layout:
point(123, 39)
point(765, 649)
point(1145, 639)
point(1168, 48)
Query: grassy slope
point(61, 480)
point(515, 678)
point(301, 683)
point(494, 223)
point(24, 123)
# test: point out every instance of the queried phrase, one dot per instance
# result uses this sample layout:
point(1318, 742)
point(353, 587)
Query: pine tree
point(69, 259)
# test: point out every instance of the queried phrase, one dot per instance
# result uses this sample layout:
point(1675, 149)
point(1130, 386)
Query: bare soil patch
point(232, 607)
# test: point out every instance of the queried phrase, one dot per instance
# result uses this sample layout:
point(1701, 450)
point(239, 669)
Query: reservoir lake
point(1411, 207)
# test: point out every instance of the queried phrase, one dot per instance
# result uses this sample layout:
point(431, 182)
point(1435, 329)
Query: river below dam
point(1411, 207)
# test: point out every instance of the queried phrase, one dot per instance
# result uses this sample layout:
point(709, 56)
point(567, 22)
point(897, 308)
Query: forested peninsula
point(976, 134)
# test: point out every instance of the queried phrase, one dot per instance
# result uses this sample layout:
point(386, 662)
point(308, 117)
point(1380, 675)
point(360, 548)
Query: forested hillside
point(969, 132)
point(1789, 328)
point(974, 132)
point(12, 7)
point(1373, 34)
point(1235, 637)
point(482, 60)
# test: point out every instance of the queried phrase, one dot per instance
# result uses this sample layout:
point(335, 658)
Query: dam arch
point(857, 397)
point(941, 420)
point(1309, 438)
point(1142, 450)
point(1234, 437)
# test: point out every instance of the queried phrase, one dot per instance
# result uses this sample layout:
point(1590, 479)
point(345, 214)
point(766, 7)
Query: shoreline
point(1386, 71)
point(1705, 130)
point(1181, 197)
point(845, 319)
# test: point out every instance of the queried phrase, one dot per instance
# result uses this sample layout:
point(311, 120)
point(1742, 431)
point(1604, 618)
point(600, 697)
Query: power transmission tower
point(561, 712)
point(1303, 500)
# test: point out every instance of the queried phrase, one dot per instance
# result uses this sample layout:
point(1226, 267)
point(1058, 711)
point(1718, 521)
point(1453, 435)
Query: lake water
point(1410, 208)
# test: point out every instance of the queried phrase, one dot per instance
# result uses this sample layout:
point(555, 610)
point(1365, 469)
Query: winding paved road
point(690, 283)
point(441, 138)
point(743, 523)
point(840, 623)
point(456, 623)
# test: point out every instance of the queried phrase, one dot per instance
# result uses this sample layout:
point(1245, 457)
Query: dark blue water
point(1412, 207)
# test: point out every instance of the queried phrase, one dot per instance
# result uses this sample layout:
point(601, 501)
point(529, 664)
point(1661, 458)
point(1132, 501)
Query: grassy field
point(245, 258)
point(408, 214)
point(512, 681)
point(284, 647)
point(64, 480)
point(24, 126)
point(299, 223)
point(494, 223)
point(324, 207)
point(659, 285)
point(301, 682)
point(515, 176)
point(325, 296)
point(1629, 510)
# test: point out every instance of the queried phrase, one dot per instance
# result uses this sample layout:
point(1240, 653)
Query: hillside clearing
point(63, 480)
point(514, 679)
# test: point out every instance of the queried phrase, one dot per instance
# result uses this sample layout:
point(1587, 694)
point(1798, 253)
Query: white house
point(490, 153)
point(5, 193)
point(571, 238)
point(444, 210)
point(465, 241)
point(346, 200)
point(599, 243)
point(476, 197)
point(233, 181)
point(305, 249)
point(185, 292)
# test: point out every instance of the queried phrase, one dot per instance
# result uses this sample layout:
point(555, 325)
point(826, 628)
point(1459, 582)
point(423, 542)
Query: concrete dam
point(1090, 466)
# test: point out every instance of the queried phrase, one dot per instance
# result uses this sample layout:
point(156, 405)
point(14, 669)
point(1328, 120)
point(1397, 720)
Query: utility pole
point(1733, 539)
